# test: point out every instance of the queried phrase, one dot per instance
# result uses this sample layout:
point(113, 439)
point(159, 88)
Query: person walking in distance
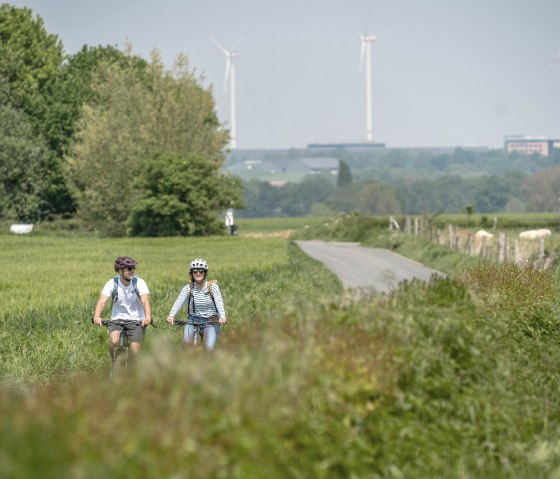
point(130, 302)
point(230, 223)
point(205, 306)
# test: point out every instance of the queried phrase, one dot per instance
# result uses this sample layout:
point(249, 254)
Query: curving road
point(359, 267)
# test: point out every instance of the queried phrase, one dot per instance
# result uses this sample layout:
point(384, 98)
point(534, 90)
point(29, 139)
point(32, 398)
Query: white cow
point(482, 237)
point(483, 234)
point(535, 234)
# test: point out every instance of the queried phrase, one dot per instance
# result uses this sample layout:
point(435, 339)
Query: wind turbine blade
point(362, 51)
point(239, 42)
point(219, 45)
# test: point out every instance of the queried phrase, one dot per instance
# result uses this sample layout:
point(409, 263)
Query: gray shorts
point(134, 331)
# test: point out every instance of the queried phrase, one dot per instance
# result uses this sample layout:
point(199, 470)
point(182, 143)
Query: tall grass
point(424, 383)
point(50, 287)
point(455, 378)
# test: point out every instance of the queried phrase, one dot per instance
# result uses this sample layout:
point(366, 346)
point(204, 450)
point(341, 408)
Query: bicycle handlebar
point(121, 322)
point(182, 322)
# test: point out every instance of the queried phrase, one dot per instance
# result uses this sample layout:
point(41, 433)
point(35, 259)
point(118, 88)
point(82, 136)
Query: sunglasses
point(198, 271)
point(130, 268)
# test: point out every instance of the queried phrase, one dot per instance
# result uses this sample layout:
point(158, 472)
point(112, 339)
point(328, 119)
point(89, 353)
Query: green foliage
point(542, 190)
point(137, 114)
point(425, 382)
point(522, 292)
point(345, 227)
point(344, 174)
point(180, 196)
point(29, 61)
point(424, 181)
point(73, 89)
point(292, 199)
point(29, 173)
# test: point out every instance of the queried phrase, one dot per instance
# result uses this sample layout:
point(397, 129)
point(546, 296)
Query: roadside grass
point(454, 378)
point(431, 381)
point(270, 225)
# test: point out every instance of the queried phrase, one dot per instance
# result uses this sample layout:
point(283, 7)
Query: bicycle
point(120, 354)
point(196, 327)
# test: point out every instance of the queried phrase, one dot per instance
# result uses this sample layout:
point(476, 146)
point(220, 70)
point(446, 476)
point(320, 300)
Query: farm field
point(51, 284)
point(455, 378)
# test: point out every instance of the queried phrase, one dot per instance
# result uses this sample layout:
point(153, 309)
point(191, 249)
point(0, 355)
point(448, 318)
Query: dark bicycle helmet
point(198, 263)
point(123, 262)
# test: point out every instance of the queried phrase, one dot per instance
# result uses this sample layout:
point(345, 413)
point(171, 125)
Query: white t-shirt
point(128, 305)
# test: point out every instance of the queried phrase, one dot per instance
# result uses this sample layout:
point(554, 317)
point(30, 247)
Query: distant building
point(531, 145)
point(321, 165)
point(280, 170)
point(346, 146)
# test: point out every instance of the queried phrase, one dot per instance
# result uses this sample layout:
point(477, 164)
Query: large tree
point(28, 170)
point(137, 115)
point(73, 89)
point(30, 59)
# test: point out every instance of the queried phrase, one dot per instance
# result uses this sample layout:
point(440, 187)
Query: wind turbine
point(365, 56)
point(230, 55)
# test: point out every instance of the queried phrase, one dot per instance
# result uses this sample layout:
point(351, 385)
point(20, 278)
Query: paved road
point(365, 268)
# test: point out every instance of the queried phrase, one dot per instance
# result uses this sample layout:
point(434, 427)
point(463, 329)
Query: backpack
point(115, 293)
point(209, 286)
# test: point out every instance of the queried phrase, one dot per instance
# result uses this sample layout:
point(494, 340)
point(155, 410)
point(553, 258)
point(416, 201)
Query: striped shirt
point(203, 304)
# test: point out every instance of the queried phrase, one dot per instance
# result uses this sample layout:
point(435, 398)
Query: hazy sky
point(445, 72)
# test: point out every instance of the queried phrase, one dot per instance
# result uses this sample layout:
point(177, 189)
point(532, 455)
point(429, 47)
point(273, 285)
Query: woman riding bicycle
point(205, 306)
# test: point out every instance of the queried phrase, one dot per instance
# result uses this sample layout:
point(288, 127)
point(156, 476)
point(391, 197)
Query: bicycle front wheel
point(120, 364)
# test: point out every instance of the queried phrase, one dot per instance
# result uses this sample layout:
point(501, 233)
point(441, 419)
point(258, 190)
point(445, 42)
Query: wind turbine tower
point(365, 56)
point(231, 56)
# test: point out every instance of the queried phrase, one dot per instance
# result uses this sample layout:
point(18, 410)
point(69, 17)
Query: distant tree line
point(320, 195)
point(104, 136)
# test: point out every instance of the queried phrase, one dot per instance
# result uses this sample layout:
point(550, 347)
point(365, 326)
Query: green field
point(457, 378)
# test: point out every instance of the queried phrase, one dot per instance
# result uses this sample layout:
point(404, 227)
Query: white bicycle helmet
point(198, 263)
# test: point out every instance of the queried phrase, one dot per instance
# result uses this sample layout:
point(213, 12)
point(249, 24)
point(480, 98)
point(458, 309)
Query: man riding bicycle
point(130, 301)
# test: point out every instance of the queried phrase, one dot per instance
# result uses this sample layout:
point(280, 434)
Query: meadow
point(454, 378)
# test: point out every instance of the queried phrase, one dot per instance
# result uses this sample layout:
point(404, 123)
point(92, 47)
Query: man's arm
point(145, 298)
point(99, 309)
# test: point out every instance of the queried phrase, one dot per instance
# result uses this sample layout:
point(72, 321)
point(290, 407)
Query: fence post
point(470, 244)
point(501, 247)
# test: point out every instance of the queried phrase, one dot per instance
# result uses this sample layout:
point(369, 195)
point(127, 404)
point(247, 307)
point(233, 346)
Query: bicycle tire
point(119, 364)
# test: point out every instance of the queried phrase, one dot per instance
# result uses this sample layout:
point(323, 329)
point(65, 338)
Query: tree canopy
point(137, 116)
point(28, 169)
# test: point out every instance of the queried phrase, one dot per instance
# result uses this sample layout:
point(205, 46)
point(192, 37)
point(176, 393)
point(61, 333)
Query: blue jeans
point(208, 332)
